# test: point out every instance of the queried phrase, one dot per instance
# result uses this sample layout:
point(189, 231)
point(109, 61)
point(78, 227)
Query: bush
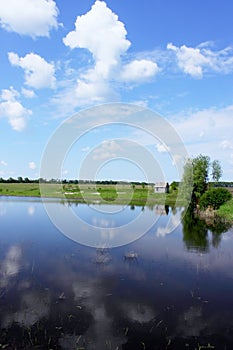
point(214, 198)
point(174, 185)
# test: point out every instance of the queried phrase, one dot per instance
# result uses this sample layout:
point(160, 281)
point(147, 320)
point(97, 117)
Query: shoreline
point(107, 194)
point(89, 193)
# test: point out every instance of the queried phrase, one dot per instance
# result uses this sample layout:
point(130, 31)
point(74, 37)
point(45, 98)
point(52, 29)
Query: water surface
point(176, 292)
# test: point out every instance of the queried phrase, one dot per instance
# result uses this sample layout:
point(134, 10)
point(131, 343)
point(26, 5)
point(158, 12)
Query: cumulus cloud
point(107, 150)
point(13, 110)
point(139, 70)
point(214, 124)
point(28, 93)
point(221, 61)
point(190, 60)
point(109, 41)
point(38, 73)
point(97, 90)
point(195, 61)
point(107, 47)
point(26, 17)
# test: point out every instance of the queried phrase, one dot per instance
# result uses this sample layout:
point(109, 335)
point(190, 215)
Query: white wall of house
point(160, 187)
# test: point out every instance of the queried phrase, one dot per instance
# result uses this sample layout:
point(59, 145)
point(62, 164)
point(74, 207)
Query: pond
point(163, 290)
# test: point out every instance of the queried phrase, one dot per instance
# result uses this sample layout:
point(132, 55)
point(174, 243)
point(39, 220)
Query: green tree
point(214, 198)
point(186, 185)
point(174, 186)
point(20, 179)
point(201, 166)
point(216, 170)
point(195, 178)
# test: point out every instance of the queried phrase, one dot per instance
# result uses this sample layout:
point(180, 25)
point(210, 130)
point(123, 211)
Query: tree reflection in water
point(199, 235)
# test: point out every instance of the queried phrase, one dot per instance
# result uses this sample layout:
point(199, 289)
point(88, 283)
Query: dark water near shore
point(163, 291)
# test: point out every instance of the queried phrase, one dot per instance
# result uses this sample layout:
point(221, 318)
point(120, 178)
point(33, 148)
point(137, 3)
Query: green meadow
point(125, 194)
point(226, 210)
point(91, 193)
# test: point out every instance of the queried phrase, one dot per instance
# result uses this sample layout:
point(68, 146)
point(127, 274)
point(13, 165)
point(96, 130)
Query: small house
point(161, 187)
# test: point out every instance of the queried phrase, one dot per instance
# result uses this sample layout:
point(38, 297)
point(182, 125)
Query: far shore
point(90, 193)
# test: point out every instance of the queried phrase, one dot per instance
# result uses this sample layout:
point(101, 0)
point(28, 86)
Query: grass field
point(226, 210)
point(91, 193)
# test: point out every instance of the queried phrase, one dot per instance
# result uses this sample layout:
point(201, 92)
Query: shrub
point(174, 185)
point(214, 198)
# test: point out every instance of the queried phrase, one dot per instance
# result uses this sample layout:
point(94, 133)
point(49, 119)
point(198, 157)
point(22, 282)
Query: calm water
point(177, 293)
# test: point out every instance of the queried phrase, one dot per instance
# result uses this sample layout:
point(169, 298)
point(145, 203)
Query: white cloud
point(190, 60)
point(38, 73)
point(2, 162)
point(32, 165)
point(109, 45)
point(215, 124)
point(161, 148)
point(109, 41)
point(95, 91)
point(28, 93)
point(195, 61)
point(11, 108)
point(220, 61)
point(106, 47)
point(108, 149)
point(226, 144)
point(110, 67)
point(139, 70)
point(26, 17)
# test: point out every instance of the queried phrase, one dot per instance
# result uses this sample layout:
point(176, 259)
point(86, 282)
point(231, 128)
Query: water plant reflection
point(199, 234)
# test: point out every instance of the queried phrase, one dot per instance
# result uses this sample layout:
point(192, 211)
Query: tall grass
point(226, 211)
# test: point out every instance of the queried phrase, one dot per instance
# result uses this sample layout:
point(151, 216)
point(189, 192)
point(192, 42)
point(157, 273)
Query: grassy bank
point(124, 194)
point(226, 211)
point(91, 193)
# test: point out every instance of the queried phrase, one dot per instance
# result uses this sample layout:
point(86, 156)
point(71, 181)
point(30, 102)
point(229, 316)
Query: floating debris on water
point(131, 255)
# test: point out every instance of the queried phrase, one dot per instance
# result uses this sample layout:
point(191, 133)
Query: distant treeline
point(66, 181)
point(222, 184)
point(173, 185)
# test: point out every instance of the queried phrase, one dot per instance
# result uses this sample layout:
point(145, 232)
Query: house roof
point(161, 184)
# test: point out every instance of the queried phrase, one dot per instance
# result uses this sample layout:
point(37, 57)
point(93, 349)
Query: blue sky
point(62, 57)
